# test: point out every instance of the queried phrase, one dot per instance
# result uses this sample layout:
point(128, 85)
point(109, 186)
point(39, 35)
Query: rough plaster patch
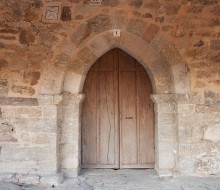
point(73, 82)
point(209, 164)
point(212, 133)
point(51, 81)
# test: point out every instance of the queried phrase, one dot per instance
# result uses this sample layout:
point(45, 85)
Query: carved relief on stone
point(52, 12)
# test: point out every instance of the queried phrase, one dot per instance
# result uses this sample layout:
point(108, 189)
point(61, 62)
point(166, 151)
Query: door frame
point(116, 66)
point(165, 88)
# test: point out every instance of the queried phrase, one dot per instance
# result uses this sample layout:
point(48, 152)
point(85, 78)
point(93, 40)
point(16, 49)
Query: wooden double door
point(117, 114)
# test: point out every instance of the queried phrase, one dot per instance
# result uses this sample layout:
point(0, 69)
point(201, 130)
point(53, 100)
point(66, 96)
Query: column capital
point(176, 98)
point(48, 99)
point(163, 98)
point(71, 99)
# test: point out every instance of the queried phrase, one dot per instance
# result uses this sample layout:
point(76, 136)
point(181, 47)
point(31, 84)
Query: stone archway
point(166, 81)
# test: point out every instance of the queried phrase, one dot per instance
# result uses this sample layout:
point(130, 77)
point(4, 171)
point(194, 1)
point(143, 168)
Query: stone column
point(48, 104)
point(70, 134)
point(166, 142)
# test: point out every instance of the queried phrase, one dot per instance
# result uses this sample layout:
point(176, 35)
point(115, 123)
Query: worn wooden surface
point(117, 117)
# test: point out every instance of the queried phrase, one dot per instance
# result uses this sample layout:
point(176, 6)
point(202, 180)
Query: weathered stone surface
point(216, 11)
point(52, 180)
point(37, 53)
point(112, 3)
point(73, 82)
point(195, 9)
point(31, 15)
point(36, 3)
point(52, 79)
point(47, 38)
point(99, 23)
point(6, 131)
point(171, 53)
point(136, 26)
point(212, 134)
point(26, 37)
point(17, 13)
point(153, 5)
point(62, 61)
point(186, 108)
point(87, 55)
point(150, 33)
point(200, 84)
point(16, 153)
point(159, 19)
point(215, 58)
point(199, 43)
point(66, 14)
point(215, 44)
point(48, 100)
point(148, 15)
point(136, 3)
point(211, 98)
point(32, 77)
point(208, 164)
point(28, 179)
point(81, 33)
point(25, 90)
point(2, 37)
point(9, 186)
point(18, 101)
point(205, 2)
point(3, 63)
point(74, 1)
point(9, 31)
point(2, 45)
point(172, 9)
point(4, 88)
point(79, 17)
point(9, 178)
point(214, 22)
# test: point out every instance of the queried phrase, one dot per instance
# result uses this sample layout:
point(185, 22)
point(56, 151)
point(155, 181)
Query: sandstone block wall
point(28, 138)
point(44, 55)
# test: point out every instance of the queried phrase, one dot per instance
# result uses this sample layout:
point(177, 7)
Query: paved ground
point(125, 180)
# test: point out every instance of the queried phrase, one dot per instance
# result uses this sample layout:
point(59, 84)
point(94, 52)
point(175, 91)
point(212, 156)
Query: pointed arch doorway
point(117, 114)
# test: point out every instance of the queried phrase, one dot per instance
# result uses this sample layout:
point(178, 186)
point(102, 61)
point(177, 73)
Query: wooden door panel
point(89, 120)
point(126, 62)
point(101, 83)
point(107, 118)
point(117, 85)
point(128, 135)
point(107, 62)
point(146, 124)
point(137, 140)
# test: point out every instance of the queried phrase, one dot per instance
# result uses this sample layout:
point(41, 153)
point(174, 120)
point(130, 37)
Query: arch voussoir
point(97, 46)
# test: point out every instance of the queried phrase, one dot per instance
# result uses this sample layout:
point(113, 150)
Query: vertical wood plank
point(128, 118)
point(105, 109)
point(146, 119)
point(89, 121)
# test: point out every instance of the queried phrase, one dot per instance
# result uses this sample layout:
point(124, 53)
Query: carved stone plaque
point(52, 12)
point(95, 2)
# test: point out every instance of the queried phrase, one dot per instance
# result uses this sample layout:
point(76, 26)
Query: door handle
point(128, 117)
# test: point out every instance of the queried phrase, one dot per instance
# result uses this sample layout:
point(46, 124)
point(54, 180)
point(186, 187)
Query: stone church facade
point(47, 49)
